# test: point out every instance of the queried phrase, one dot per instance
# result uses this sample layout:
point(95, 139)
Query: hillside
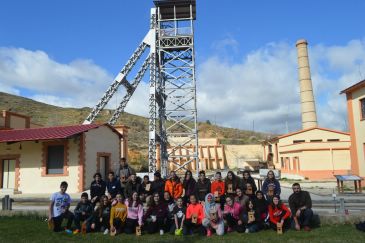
point(49, 115)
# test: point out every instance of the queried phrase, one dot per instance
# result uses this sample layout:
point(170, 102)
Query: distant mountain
point(49, 115)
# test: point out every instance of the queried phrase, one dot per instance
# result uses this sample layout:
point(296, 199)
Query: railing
point(184, 31)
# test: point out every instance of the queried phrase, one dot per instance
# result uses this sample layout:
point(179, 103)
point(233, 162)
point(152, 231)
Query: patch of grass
point(24, 229)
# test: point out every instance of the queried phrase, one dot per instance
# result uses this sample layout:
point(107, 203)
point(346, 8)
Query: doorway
point(8, 174)
point(104, 166)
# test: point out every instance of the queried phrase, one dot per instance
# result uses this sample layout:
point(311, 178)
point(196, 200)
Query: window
point(298, 141)
point(282, 162)
point(316, 140)
point(333, 140)
point(362, 107)
point(55, 159)
point(270, 148)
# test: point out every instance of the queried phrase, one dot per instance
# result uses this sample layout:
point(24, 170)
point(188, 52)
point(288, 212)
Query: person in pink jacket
point(134, 213)
point(233, 215)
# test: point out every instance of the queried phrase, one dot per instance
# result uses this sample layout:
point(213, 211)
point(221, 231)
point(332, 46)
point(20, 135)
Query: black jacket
point(132, 187)
point(113, 187)
point(159, 187)
point(84, 207)
point(298, 200)
point(202, 188)
point(97, 189)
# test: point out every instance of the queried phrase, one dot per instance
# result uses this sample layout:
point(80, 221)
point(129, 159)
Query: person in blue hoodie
point(271, 185)
point(112, 185)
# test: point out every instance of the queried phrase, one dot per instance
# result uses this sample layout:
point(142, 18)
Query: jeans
point(305, 218)
point(58, 220)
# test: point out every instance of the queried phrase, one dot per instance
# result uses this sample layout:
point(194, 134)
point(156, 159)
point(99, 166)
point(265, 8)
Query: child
point(194, 217)
point(135, 213)
point(156, 215)
point(217, 188)
point(59, 208)
point(233, 215)
point(83, 212)
point(118, 215)
point(170, 204)
point(279, 214)
point(252, 218)
point(179, 213)
point(213, 219)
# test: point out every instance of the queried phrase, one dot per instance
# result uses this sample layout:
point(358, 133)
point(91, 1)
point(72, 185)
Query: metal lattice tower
point(172, 94)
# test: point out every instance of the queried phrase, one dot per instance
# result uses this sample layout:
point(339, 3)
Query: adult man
point(300, 204)
point(158, 184)
point(124, 169)
point(133, 185)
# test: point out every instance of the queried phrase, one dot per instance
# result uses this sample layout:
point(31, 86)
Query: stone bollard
point(7, 203)
point(342, 205)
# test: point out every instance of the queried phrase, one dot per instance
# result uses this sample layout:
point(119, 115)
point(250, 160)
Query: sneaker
point(68, 231)
point(161, 232)
point(106, 231)
point(209, 233)
point(76, 231)
point(247, 231)
point(229, 230)
point(307, 228)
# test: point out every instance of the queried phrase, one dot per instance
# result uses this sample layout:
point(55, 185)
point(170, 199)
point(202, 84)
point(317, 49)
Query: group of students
point(130, 206)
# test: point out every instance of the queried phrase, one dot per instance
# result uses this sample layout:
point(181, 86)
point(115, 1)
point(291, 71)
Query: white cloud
point(262, 88)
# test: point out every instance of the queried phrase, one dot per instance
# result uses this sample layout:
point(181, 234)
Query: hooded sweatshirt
point(212, 207)
point(134, 212)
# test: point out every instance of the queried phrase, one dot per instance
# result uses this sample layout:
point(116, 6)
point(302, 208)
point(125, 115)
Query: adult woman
point(134, 213)
point(155, 215)
point(233, 215)
point(189, 184)
point(213, 218)
point(231, 183)
point(271, 185)
point(279, 214)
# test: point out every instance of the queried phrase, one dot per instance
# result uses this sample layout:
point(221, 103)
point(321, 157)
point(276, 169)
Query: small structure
point(355, 96)
point(36, 160)
point(315, 153)
point(356, 179)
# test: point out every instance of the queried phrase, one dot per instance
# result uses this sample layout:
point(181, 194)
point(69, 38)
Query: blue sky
point(87, 42)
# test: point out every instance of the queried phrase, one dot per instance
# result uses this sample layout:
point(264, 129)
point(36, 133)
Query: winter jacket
point(174, 188)
point(202, 188)
point(277, 214)
point(125, 170)
point(158, 187)
point(132, 187)
point(298, 200)
point(86, 208)
point(217, 186)
point(196, 209)
point(97, 189)
point(274, 183)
